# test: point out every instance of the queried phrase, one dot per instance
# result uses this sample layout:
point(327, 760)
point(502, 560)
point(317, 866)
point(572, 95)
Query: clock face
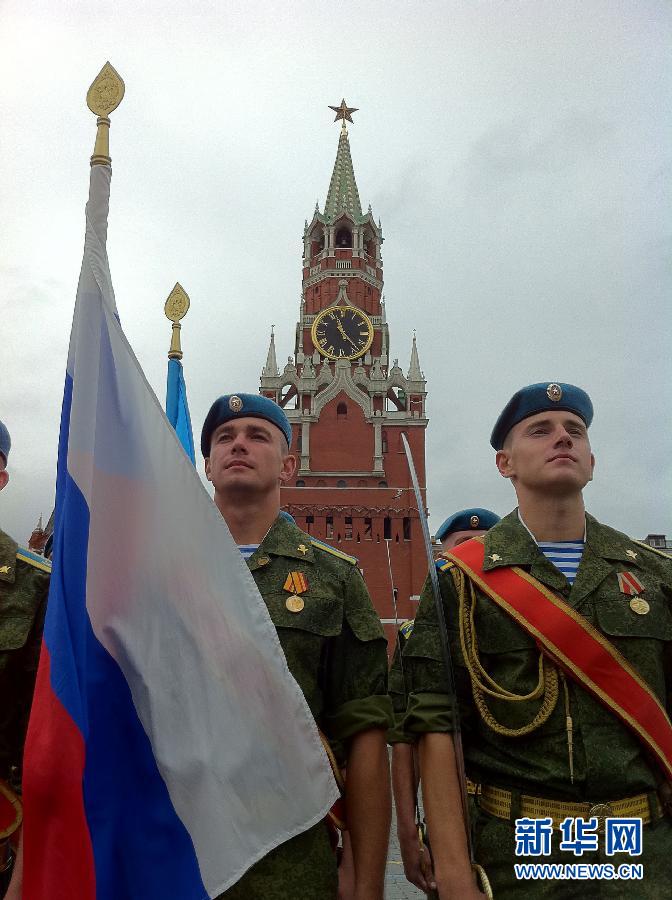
point(342, 332)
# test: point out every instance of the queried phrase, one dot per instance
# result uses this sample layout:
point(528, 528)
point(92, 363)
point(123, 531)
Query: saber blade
point(445, 646)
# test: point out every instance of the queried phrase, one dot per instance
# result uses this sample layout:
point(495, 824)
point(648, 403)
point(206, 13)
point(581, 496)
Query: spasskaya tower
point(349, 404)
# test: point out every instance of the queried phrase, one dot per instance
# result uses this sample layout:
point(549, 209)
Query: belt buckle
point(601, 812)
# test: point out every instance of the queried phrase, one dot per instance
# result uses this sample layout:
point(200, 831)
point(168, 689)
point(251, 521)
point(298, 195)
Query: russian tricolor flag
point(169, 748)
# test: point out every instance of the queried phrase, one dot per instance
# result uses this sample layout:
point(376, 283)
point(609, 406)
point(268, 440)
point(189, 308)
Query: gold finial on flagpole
point(102, 98)
point(176, 308)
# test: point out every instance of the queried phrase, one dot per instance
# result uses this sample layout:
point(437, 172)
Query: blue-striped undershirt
point(247, 549)
point(565, 555)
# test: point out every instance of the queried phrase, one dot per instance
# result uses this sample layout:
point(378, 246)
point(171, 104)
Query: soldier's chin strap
point(482, 878)
point(335, 818)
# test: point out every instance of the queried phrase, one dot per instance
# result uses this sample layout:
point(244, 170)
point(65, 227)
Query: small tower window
point(341, 483)
point(343, 238)
point(348, 528)
point(384, 442)
point(387, 528)
point(342, 411)
point(368, 531)
point(330, 527)
point(300, 483)
point(309, 523)
point(407, 528)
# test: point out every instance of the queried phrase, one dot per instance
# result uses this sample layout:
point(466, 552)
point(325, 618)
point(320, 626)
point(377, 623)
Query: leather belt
point(498, 802)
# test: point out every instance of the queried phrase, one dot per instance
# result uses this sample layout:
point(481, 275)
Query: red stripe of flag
point(58, 861)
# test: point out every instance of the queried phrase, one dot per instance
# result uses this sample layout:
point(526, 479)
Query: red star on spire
point(343, 111)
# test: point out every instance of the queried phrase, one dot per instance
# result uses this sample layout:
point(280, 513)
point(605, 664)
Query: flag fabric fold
point(177, 408)
point(169, 748)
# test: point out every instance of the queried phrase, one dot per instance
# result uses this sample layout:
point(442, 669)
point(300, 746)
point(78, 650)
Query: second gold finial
point(176, 308)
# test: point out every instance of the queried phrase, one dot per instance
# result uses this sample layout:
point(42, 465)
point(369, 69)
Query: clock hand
point(339, 325)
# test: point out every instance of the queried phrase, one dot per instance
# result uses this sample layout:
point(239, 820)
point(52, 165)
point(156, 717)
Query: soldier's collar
point(8, 548)
point(285, 539)
point(508, 543)
point(611, 544)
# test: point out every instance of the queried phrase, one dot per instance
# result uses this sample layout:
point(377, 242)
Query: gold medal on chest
point(639, 605)
point(296, 583)
point(294, 604)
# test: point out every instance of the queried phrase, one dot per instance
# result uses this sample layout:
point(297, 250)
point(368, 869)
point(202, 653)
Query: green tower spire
point(343, 195)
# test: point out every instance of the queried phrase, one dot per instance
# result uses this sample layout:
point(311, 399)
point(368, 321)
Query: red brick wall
point(362, 499)
point(324, 294)
point(341, 443)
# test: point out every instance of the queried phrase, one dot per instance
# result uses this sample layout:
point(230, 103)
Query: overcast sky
point(517, 153)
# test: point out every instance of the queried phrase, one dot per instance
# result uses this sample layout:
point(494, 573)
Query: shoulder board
point(33, 559)
point(442, 565)
point(654, 550)
point(407, 628)
point(334, 552)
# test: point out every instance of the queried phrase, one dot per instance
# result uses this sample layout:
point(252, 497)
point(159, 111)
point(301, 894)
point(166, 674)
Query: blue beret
point(237, 406)
point(288, 517)
point(537, 398)
point(467, 520)
point(5, 441)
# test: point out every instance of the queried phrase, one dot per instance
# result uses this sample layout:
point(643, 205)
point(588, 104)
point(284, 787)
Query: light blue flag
point(177, 408)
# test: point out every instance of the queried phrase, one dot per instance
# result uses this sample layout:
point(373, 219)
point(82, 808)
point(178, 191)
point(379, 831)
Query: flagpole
point(55, 826)
point(177, 409)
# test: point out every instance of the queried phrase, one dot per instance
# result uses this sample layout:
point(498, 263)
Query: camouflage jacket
point(337, 652)
point(609, 761)
point(335, 645)
point(24, 585)
point(397, 686)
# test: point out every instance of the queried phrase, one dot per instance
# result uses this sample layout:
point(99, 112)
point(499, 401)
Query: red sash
point(575, 645)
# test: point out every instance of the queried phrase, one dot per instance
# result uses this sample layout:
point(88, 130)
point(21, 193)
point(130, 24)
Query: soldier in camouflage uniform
point(459, 527)
point(24, 584)
point(332, 639)
point(536, 742)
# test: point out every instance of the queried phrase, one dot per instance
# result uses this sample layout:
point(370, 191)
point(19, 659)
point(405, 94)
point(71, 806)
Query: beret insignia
point(539, 398)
